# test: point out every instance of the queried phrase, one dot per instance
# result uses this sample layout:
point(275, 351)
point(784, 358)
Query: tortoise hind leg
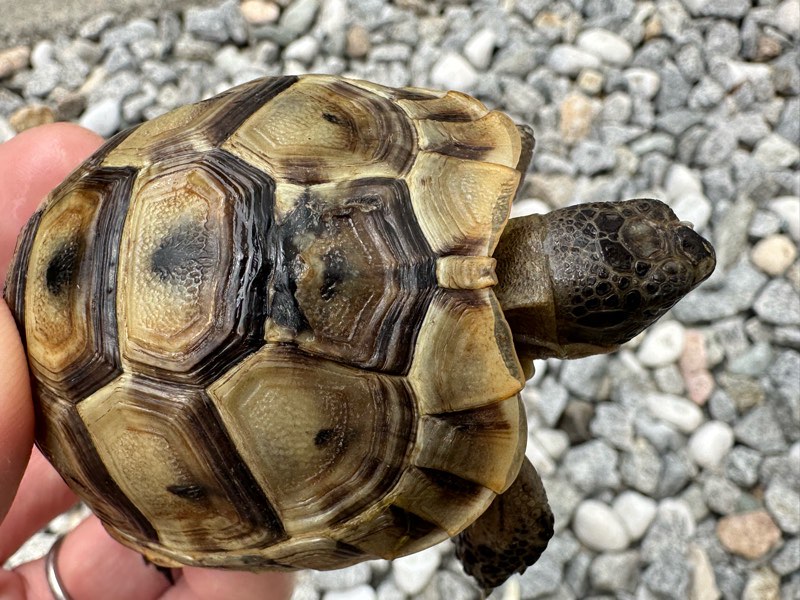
point(512, 533)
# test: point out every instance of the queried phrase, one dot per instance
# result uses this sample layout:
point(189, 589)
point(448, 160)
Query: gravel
point(673, 465)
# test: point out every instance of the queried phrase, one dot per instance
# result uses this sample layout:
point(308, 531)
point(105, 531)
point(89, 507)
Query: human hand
point(90, 563)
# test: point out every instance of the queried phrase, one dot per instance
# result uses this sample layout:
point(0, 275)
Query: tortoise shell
point(262, 329)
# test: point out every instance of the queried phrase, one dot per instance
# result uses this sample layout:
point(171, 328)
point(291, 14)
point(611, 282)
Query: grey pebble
point(760, 430)
point(543, 578)
point(787, 559)
point(614, 424)
point(128, 33)
point(783, 502)
point(550, 399)
point(96, 25)
point(583, 377)
point(670, 531)
point(298, 17)
point(741, 466)
point(640, 468)
point(615, 572)
point(778, 303)
point(721, 495)
point(592, 466)
point(592, 158)
point(742, 283)
point(678, 470)
point(668, 576)
point(206, 24)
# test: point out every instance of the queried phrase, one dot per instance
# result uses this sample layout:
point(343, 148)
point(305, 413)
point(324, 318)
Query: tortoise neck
point(524, 288)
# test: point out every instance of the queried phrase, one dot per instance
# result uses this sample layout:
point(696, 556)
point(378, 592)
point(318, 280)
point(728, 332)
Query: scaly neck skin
point(526, 294)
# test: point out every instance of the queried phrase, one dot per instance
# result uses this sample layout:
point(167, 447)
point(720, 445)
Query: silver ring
point(51, 570)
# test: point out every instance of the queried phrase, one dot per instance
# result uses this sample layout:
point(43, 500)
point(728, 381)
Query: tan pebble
point(590, 81)
point(259, 12)
point(774, 254)
point(31, 116)
point(693, 364)
point(704, 582)
point(69, 105)
point(577, 113)
point(13, 60)
point(358, 43)
point(763, 584)
point(548, 20)
point(653, 28)
point(750, 535)
point(768, 47)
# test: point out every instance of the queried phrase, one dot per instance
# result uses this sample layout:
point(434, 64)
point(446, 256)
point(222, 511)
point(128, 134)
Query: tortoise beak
point(698, 252)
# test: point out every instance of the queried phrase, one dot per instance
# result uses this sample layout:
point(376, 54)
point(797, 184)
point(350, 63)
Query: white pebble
point(787, 17)
point(788, 209)
point(480, 48)
point(682, 180)
point(362, 592)
point(662, 345)
point(103, 118)
point(678, 411)
point(453, 72)
point(568, 60)
point(413, 572)
point(529, 206)
point(554, 441)
point(636, 511)
point(692, 207)
point(710, 444)
point(774, 254)
point(775, 152)
point(642, 82)
point(609, 46)
point(599, 527)
point(302, 50)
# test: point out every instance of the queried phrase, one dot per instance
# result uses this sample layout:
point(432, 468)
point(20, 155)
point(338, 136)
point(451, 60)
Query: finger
point(42, 495)
point(208, 584)
point(16, 424)
point(32, 164)
point(91, 566)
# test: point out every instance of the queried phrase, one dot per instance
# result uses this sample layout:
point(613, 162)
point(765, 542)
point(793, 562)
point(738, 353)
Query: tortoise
point(288, 326)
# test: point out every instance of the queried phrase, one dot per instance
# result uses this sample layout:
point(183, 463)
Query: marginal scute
point(492, 139)
point(462, 205)
point(64, 440)
point(324, 440)
point(484, 445)
point(465, 337)
point(442, 498)
point(141, 427)
point(388, 531)
point(452, 106)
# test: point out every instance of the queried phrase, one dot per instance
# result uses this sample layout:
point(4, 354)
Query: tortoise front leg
point(511, 535)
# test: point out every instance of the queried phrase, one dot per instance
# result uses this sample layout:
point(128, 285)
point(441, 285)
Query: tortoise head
point(609, 271)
